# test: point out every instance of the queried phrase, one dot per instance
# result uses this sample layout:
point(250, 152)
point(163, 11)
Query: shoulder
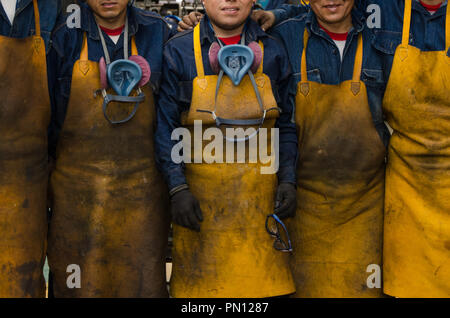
point(49, 6)
point(298, 21)
point(181, 39)
point(147, 18)
point(292, 25)
point(274, 45)
point(179, 49)
point(64, 38)
point(290, 30)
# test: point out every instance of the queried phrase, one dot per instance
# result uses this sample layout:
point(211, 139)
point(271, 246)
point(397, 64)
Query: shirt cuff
point(175, 178)
point(280, 15)
point(287, 174)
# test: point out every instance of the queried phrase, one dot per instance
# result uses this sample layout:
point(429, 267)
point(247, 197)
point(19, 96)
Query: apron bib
point(232, 255)
point(24, 116)
point(110, 204)
point(417, 210)
point(337, 231)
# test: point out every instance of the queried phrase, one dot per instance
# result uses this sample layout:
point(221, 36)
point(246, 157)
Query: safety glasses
point(276, 228)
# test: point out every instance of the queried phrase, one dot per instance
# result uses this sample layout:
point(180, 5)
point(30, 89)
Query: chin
point(108, 14)
point(333, 18)
point(230, 24)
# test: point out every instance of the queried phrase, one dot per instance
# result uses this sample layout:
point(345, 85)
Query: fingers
point(186, 218)
point(187, 213)
point(281, 211)
point(286, 209)
point(265, 19)
point(268, 21)
point(191, 221)
point(189, 21)
point(194, 216)
point(287, 204)
point(198, 211)
point(182, 26)
point(196, 17)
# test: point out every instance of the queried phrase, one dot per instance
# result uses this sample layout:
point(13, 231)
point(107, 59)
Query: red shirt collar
point(430, 7)
point(335, 36)
point(231, 40)
point(112, 32)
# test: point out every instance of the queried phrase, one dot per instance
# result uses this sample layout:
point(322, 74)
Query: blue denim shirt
point(176, 92)
point(149, 29)
point(427, 30)
point(324, 62)
point(23, 24)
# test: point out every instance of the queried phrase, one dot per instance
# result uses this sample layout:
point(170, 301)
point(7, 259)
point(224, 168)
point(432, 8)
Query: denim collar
point(20, 6)
point(440, 12)
point(252, 30)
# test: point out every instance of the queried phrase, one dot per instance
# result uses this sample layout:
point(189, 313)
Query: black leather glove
point(185, 210)
point(285, 200)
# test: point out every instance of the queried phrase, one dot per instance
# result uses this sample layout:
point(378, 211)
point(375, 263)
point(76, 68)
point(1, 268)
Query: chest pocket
point(313, 76)
point(387, 41)
point(185, 94)
point(373, 78)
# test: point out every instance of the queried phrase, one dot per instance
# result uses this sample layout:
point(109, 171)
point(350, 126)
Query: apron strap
point(304, 84)
point(134, 50)
point(260, 68)
point(447, 27)
point(198, 52)
point(356, 82)
point(84, 49)
point(37, 21)
point(406, 23)
point(84, 63)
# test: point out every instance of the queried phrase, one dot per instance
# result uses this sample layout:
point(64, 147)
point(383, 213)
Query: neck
point(340, 27)
point(432, 2)
point(111, 23)
point(223, 33)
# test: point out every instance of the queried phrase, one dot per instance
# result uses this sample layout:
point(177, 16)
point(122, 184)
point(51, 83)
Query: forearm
point(287, 11)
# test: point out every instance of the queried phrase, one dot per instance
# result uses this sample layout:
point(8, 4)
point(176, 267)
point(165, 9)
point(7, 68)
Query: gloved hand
point(285, 200)
point(185, 210)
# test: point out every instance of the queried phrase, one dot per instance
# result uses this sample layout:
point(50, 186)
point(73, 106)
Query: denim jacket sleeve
point(286, 123)
point(168, 110)
point(287, 11)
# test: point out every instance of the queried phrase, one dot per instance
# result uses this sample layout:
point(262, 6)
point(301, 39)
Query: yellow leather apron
point(110, 205)
point(417, 211)
point(24, 118)
point(232, 255)
point(337, 231)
